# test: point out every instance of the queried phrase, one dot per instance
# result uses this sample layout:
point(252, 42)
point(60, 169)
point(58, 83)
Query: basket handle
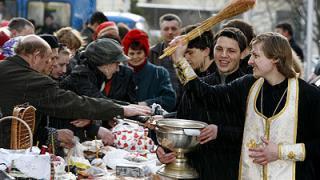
point(24, 123)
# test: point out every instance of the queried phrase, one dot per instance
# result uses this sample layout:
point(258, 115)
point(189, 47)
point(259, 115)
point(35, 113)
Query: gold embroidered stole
point(280, 128)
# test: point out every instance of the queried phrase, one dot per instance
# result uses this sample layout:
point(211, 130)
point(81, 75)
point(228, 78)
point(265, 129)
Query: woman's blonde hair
point(70, 37)
point(297, 64)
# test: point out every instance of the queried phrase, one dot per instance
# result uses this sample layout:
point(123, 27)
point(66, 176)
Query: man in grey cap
point(106, 50)
point(93, 75)
point(106, 54)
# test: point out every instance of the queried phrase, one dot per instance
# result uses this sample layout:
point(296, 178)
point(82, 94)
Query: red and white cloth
point(132, 138)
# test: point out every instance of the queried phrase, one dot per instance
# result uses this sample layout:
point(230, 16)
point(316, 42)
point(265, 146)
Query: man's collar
point(18, 59)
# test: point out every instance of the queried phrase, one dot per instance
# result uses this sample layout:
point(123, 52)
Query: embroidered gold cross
point(291, 155)
point(252, 143)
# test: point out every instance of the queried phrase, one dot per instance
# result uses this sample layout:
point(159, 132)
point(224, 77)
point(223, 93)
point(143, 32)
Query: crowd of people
point(261, 115)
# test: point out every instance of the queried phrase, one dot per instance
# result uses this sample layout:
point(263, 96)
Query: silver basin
point(171, 134)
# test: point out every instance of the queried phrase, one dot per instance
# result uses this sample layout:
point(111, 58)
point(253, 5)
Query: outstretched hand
point(136, 110)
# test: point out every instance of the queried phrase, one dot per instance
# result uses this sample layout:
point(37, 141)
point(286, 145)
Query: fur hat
point(136, 35)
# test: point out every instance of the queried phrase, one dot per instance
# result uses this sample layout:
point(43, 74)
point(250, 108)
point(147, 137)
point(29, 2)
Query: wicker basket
point(19, 133)
point(23, 135)
point(29, 132)
point(16, 174)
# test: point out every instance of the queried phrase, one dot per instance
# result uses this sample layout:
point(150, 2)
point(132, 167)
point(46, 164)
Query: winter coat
point(191, 108)
point(232, 98)
point(86, 79)
point(23, 84)
point(155, 52)
point(87, 33)
point(88, 132)
point(216, 158)
point(154, 86)
point(296, 49)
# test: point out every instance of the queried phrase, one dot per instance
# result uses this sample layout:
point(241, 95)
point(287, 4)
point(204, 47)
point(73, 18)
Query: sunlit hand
point(81, 122)
point(181, 48)
point(65, 136)
point(208, 133)
point(143, 103)
point(106, 136)
point(140, 106)
point(136, 110)
point(165, 158)
point(266, 154)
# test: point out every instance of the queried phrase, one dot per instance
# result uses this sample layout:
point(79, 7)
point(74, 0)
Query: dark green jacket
point(20, 84)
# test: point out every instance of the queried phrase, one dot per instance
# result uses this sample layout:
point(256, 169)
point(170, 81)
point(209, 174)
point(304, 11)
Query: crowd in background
point(112, 62)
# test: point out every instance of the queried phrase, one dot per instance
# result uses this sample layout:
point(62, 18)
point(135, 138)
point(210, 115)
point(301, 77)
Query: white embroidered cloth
point(29, 163)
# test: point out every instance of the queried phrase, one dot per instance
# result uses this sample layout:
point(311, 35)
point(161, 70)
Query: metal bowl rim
point(180, 124)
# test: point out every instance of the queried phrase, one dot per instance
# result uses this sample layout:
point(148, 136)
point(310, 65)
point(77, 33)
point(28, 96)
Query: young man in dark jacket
point(216, 159)
point(200, 56)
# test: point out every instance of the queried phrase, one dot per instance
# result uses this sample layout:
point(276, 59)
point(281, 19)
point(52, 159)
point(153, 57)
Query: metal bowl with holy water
point(179, 136)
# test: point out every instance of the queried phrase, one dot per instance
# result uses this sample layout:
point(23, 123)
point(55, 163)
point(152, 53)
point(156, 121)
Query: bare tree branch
point(298, 7)
point(270, 12)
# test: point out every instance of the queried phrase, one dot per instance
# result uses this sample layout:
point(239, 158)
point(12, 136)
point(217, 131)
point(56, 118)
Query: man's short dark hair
point(245, 27)
point(98, 17)
point(286, 27)
point(49, 16)
point(170, 17)
point(123, 29)
point(19, 24)
point(233, 33)
point(201, 42)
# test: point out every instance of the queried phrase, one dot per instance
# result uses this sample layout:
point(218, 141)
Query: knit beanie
point(103, 27)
